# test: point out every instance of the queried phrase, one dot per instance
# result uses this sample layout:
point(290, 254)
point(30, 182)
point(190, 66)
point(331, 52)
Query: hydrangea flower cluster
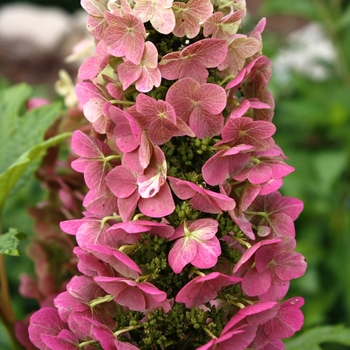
point(185, 242)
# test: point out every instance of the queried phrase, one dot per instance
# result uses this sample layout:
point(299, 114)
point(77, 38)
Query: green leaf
point(22, 134)
point(9, 178)
point(9, 241)
point(344, 20)
point(21, 130)
point(312, 338)
point(329, 167)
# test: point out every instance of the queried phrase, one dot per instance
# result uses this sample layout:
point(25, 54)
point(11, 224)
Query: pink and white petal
point(143, 10)
point(121, 41)
point(93, 109)
point(182, 253)
point(96, 26)
point(149, 183)
point(203, 229)
point(207, 254)
point(163, 20)
point(148, 79)
point(93, 7)
point(86, 91)
point(160, 205)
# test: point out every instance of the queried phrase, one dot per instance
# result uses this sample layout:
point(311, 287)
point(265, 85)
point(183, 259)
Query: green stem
point(120, 102)
point(7, 314)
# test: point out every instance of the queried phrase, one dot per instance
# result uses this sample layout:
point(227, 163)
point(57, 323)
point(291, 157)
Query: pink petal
point(207, 253)
point(182, 253)
point(122, 181)
point(203, 229)
point(127, 206)
point(44, 321)
point(160, 205)
point(125, 36)
point(189, 15)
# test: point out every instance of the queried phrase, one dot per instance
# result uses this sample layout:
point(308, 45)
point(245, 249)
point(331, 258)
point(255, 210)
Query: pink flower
point(239, 49)
point(149, 191)
point(244, 130)
point(202, 289)
point(74, 305)
point(93, 65)
point(95, 22)
point(125, 36)
point(223, 27)
point(118, 260)
point(95, 100)
point(145, 75)
point(127, 132)
point(192, 61)
point(93, 160)
point(201, 198)
point(136, 296)
point(64, 340)
point(46, 321)
point(195, 244)
point(188, 16)
point(225, 164)
point(198, 105)
point(158, 12)
point(107, 339)
point(160, 120)
point(237, 339)
point(279, 213)
point(270, 269)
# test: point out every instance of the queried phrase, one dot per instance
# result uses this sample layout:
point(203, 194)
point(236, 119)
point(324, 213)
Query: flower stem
point(7, 314)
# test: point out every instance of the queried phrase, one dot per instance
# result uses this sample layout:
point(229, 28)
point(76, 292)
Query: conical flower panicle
point(186, 242)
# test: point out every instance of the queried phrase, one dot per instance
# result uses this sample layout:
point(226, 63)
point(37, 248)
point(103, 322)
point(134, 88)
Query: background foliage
point(313, 128)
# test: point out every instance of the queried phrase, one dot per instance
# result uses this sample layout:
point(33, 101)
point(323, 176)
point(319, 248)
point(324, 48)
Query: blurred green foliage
point(313, 129)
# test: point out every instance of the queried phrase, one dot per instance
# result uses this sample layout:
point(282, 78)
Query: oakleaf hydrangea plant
point(185, 241)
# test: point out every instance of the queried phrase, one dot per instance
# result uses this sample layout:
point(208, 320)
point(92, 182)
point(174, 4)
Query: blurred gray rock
point(34, 41)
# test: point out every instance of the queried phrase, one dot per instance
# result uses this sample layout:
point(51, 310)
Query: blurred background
point(309, 44)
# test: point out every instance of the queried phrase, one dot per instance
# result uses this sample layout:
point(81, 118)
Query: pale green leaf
point(312, 338)
point(21, 130)
point(9, 177)
point(9, 242)
point(22, 134)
